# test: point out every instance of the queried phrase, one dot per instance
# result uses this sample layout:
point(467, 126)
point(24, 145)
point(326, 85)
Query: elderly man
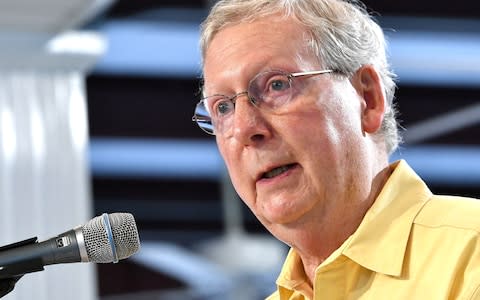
point(298, 94)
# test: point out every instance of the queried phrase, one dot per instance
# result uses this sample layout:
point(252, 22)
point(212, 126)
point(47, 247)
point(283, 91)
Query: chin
point(281, 215)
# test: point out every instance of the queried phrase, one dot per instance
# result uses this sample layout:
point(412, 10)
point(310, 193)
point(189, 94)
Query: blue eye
point(276, 90)
point(223, 107)
point(279, 85)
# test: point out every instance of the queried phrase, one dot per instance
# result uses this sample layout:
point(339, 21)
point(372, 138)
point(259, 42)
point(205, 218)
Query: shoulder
point(445, 237)
point(450, 211)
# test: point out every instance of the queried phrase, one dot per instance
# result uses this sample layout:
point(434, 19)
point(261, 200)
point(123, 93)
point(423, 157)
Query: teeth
point(276, 172)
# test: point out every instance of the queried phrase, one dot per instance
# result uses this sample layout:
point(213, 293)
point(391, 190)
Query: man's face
point(299, 164)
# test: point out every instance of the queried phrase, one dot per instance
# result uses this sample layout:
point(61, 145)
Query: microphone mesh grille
point(125, 237)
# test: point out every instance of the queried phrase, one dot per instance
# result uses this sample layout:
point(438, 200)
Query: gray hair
point(342, 34)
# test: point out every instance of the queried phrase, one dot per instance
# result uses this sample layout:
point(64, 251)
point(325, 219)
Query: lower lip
point(280, 176)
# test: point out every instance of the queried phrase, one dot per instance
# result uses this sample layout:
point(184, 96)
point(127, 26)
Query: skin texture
point(326, 136)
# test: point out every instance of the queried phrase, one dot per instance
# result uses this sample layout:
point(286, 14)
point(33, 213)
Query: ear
point(367, 83)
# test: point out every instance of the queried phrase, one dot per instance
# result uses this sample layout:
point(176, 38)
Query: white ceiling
point(47, 16)
point(42, 34)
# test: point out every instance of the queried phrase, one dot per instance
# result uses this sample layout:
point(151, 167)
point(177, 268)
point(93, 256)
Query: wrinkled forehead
point(226, 16)
point(247, 49)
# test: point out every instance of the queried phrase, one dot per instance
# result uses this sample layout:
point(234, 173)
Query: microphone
point(104, 239)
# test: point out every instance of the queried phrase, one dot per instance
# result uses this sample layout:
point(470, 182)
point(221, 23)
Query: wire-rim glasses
point(268, 90)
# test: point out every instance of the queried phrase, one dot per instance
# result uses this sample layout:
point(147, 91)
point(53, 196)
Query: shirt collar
point(385, 229)
point(380, 242)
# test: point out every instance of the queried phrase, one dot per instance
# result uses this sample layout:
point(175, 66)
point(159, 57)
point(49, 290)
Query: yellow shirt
point(411, 244)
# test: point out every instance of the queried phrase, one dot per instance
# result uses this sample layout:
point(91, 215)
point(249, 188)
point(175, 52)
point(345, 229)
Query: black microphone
point(103, 239)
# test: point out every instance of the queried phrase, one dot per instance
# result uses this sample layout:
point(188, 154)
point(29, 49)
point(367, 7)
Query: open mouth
point(277, 171)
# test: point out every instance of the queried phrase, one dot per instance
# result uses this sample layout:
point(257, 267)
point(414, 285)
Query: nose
point(249, 123)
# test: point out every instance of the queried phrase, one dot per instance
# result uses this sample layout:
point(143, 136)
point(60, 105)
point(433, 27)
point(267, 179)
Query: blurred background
point(96, 99)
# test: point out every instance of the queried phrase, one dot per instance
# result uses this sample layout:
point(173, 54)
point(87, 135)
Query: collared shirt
point(411, 244)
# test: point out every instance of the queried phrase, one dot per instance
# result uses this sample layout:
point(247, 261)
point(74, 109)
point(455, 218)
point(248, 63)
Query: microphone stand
point(10, 274)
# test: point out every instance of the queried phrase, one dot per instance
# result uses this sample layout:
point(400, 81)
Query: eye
point(223, 107)
point(278, 84)
point(276, 90)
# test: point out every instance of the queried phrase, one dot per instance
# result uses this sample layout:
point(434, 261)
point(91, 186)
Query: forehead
point(239, 52)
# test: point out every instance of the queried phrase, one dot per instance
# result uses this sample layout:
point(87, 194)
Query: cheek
point(341, 107)
point(331, 129)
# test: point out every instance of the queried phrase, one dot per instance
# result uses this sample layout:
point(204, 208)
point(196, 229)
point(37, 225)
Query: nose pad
point(253, 100)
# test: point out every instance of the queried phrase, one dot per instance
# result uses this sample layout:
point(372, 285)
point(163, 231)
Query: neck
point(316, 239)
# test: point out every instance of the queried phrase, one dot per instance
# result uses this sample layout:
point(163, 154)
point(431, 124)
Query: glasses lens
point(270, 89)
point(202, 117)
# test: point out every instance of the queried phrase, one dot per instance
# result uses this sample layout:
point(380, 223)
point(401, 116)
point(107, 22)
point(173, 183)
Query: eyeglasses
point(268, 90)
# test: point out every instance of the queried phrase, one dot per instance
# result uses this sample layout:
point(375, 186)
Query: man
point(299, 96)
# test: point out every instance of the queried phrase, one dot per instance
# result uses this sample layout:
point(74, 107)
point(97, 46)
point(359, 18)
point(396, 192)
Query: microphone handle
point(67, 247)
point(30, 256)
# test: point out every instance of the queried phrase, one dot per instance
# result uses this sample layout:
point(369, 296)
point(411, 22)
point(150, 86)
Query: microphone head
point(97, 242)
